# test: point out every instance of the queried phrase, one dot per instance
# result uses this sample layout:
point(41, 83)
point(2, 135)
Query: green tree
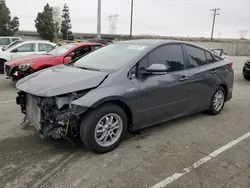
point(66, 22)
point(44, 23)
point(8, 26)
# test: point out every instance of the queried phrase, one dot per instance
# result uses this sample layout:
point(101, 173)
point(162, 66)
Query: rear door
point(163, 96)
point(203, 77)
point(44, 47)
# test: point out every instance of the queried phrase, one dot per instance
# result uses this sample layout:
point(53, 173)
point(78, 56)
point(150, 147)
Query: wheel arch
point(117, 101)
point(225, 87)
point(2, 59)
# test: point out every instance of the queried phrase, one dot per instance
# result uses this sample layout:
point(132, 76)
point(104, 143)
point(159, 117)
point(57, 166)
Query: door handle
point(213, 71)
point(183, 78)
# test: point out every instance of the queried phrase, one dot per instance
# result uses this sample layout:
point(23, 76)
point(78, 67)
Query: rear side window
point(196, 56)
point(42, 47)
point(5, 41)
point(14, 39)
point(210, 58)
point(169, 55)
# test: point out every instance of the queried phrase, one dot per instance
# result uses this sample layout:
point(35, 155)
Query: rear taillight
point(230, 64)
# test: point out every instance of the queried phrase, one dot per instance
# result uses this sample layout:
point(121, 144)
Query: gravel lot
point(142, 160)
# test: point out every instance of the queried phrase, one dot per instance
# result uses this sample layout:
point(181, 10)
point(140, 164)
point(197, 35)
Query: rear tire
point(217, 102)
point(103, 128)
point(247, 77)
point(2, 61)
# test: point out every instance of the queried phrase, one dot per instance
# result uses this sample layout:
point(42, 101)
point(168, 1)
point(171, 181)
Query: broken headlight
point(24, 67)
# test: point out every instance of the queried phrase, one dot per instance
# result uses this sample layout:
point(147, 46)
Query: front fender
point(121, 93)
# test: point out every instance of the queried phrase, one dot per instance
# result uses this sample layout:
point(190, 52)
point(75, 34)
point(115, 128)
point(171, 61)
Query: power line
point(215, 10)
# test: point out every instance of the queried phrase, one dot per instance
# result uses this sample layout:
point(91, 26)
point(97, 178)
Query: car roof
point(9, 37)
point(45, 41)
point(158, 42)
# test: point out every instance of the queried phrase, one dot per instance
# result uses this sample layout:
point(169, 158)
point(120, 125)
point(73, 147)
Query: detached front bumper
point(47, 119)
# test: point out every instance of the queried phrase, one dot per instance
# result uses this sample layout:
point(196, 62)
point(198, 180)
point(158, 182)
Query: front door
point(163, 96)
point(24, 50)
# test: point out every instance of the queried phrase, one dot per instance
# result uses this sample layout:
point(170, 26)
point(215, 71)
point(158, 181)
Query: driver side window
point(30, 47)
point(169, 55)
point(80, 52)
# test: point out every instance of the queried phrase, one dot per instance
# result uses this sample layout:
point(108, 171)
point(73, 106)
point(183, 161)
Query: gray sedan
point(123, 87)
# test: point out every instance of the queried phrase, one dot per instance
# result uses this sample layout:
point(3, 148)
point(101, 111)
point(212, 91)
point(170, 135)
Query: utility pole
point(215, 13)
point(99, 20)
point(131, 18)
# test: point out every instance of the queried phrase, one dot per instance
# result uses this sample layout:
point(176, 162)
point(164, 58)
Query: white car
point(4, 41)
point(24, 49)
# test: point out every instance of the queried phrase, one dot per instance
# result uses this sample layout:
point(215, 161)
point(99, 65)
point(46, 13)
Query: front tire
point(103, 128)
point(218, 101)
point(247, 77)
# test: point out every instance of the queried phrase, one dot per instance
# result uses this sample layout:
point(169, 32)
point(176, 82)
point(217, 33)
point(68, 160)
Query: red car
point(21, 67)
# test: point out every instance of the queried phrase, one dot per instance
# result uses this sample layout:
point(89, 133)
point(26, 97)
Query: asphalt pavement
point(199, 151)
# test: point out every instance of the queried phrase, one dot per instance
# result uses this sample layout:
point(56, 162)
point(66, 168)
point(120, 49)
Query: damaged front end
point(52, 116)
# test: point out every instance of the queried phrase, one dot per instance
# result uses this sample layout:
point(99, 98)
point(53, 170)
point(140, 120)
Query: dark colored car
point(124, 87)
point(246, 70)
point(61, 54)
point(101, 41)
point(219, 52)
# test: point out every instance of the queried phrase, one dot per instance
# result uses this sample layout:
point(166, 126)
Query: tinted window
point(169, 55)
point(111, 57)
point(42, 47)
point(196, 56)
point(210, 58)
point(81, 51)
point(30, 47)
point(96, 47)
point(4, 41)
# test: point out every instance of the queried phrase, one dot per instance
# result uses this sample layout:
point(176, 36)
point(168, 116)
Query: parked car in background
point(5, 41)
point(12, 44)
point(124, 86)
point(26, 48)
point(246, 70)
point(63, 54)
point(219, 52)
point(101, 41)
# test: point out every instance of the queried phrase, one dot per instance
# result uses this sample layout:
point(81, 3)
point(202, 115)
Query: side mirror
point(67, 60)
point(156, 69)
point(14, 50)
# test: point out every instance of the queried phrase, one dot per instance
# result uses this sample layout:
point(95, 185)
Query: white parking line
point(188, 169)
point(2, 102)
point(54, 171)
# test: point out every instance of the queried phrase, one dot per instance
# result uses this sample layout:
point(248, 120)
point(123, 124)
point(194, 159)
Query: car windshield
point(111, 57)
point(61, 49)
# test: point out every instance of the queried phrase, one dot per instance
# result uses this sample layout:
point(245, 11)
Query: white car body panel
point(9, 54)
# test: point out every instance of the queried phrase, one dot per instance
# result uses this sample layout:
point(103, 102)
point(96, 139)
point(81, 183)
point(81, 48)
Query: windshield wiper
point(87, 68)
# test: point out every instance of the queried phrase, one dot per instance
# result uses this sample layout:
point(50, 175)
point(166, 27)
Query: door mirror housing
point(67, 60)
point(155, 69)
point(14, 50)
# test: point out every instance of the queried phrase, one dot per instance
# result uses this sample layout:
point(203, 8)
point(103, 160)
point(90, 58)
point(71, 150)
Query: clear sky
point(191, 18)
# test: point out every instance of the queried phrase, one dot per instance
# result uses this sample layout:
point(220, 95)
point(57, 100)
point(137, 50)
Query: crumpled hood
point(30, 59)
point(60, 80)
